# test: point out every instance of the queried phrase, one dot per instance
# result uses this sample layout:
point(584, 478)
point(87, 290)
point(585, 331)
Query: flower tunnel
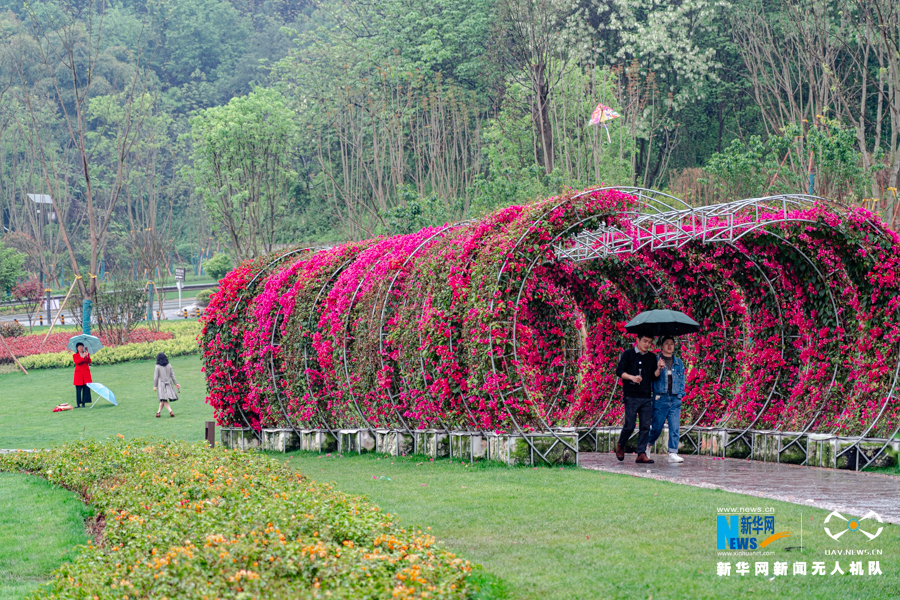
point(514, 322)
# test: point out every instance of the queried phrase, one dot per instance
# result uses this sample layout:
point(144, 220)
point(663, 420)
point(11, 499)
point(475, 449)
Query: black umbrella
point(662, 322)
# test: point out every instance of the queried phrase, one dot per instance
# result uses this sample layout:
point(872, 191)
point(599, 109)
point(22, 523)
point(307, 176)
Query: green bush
point(203, 297)
point(217, 266)
point(186, 521)
point(184, 342)
point(12, 329)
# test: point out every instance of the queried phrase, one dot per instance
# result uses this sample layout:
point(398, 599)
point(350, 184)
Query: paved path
point(830, 489)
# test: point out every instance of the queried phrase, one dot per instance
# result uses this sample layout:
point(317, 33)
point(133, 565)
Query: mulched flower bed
point(34, 344)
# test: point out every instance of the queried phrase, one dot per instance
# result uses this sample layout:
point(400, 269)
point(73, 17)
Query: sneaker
point(674, 458)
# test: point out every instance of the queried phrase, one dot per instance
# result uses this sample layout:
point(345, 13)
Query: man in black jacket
point(638, 368)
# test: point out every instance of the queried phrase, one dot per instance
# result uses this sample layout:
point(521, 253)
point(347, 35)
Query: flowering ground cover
point(186, 521)
point(482, 325)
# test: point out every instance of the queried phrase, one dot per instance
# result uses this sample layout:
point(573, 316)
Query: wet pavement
point(829, 489)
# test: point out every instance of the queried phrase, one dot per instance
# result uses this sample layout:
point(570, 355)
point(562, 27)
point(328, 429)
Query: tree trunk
point(541, 115)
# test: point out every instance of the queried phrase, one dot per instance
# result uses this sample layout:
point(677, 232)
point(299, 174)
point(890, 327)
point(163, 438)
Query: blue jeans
point(666, 407)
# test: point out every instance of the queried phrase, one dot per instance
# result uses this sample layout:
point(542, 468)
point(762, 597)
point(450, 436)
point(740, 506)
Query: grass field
point(40, 525)
point(538, 533)
point(28, 421)
point(571, 533)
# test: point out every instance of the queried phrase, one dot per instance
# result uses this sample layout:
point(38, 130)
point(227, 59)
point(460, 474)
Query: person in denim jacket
point(668, 391)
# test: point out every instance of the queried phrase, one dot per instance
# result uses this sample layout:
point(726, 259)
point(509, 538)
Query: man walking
point(638, 368)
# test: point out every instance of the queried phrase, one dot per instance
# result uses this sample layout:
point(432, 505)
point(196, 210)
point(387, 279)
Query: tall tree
point(243, 165)
point(68, 64)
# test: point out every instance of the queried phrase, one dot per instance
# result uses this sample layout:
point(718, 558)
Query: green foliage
point(758, 168)
point(184, 342)
point(204, 295)
point(745, 170)
point(416, 212)
point(243, 167)
point(191, 522)
point(11, 268)
point(218, 266)
point(584, 155)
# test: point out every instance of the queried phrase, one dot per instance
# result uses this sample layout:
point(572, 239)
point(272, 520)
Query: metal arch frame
point(619, 249)
point(381, 323)
point(838, 322)
point(611, 240)
point(473, 422)
point(759, 414)
point(362, 280)
point(683, 434)
point(612, 394)
point(642, 195)
point(335, 272)
point(855, 446)
point(237, 304)
point(654, 229)
point(680, 226)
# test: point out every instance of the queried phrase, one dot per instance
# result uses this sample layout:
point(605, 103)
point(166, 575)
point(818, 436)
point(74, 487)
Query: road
point(170, 308)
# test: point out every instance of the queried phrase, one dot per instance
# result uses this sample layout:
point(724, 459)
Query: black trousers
point(634, 408)
point(82, 395)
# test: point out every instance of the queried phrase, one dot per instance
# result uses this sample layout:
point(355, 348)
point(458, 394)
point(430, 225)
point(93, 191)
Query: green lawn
point(40, 526)
point(29, 400)
point(571, 533)
point(539, 533)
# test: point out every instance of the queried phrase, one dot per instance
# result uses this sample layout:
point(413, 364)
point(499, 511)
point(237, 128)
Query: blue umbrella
point(104, 392)
point(90, 342)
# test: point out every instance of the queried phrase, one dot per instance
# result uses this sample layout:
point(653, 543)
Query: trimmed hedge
point(185, 521)
point(184, 342)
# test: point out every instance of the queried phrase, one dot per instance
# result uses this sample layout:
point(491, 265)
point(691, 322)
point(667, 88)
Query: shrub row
point(184, 342)
point(185, 521)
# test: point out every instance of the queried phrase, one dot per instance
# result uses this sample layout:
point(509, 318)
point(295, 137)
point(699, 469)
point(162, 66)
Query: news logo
point(746, 531)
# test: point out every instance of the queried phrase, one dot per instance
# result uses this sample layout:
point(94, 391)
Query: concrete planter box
point(236, 438)
point(318, 440)
point(588, 440)
point(607, 438)
point(528, 449)
point(870, 449)
point(280, 440)
point(690, 442)
point(356, 441)
point(395, 443)
point(738, 445)
point(468, 446)
point(433, 443)
point(821, 450)
point(712, 442)
point(765, 445)
point(793, 450)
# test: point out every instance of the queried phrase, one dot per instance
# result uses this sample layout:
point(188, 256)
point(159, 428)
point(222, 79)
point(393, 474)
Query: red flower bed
point(32, 344)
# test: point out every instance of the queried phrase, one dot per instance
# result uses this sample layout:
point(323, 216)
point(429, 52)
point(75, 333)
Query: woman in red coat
point(82, 360)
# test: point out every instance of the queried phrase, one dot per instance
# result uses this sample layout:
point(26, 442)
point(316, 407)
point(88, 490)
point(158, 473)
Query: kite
point(603, 114)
